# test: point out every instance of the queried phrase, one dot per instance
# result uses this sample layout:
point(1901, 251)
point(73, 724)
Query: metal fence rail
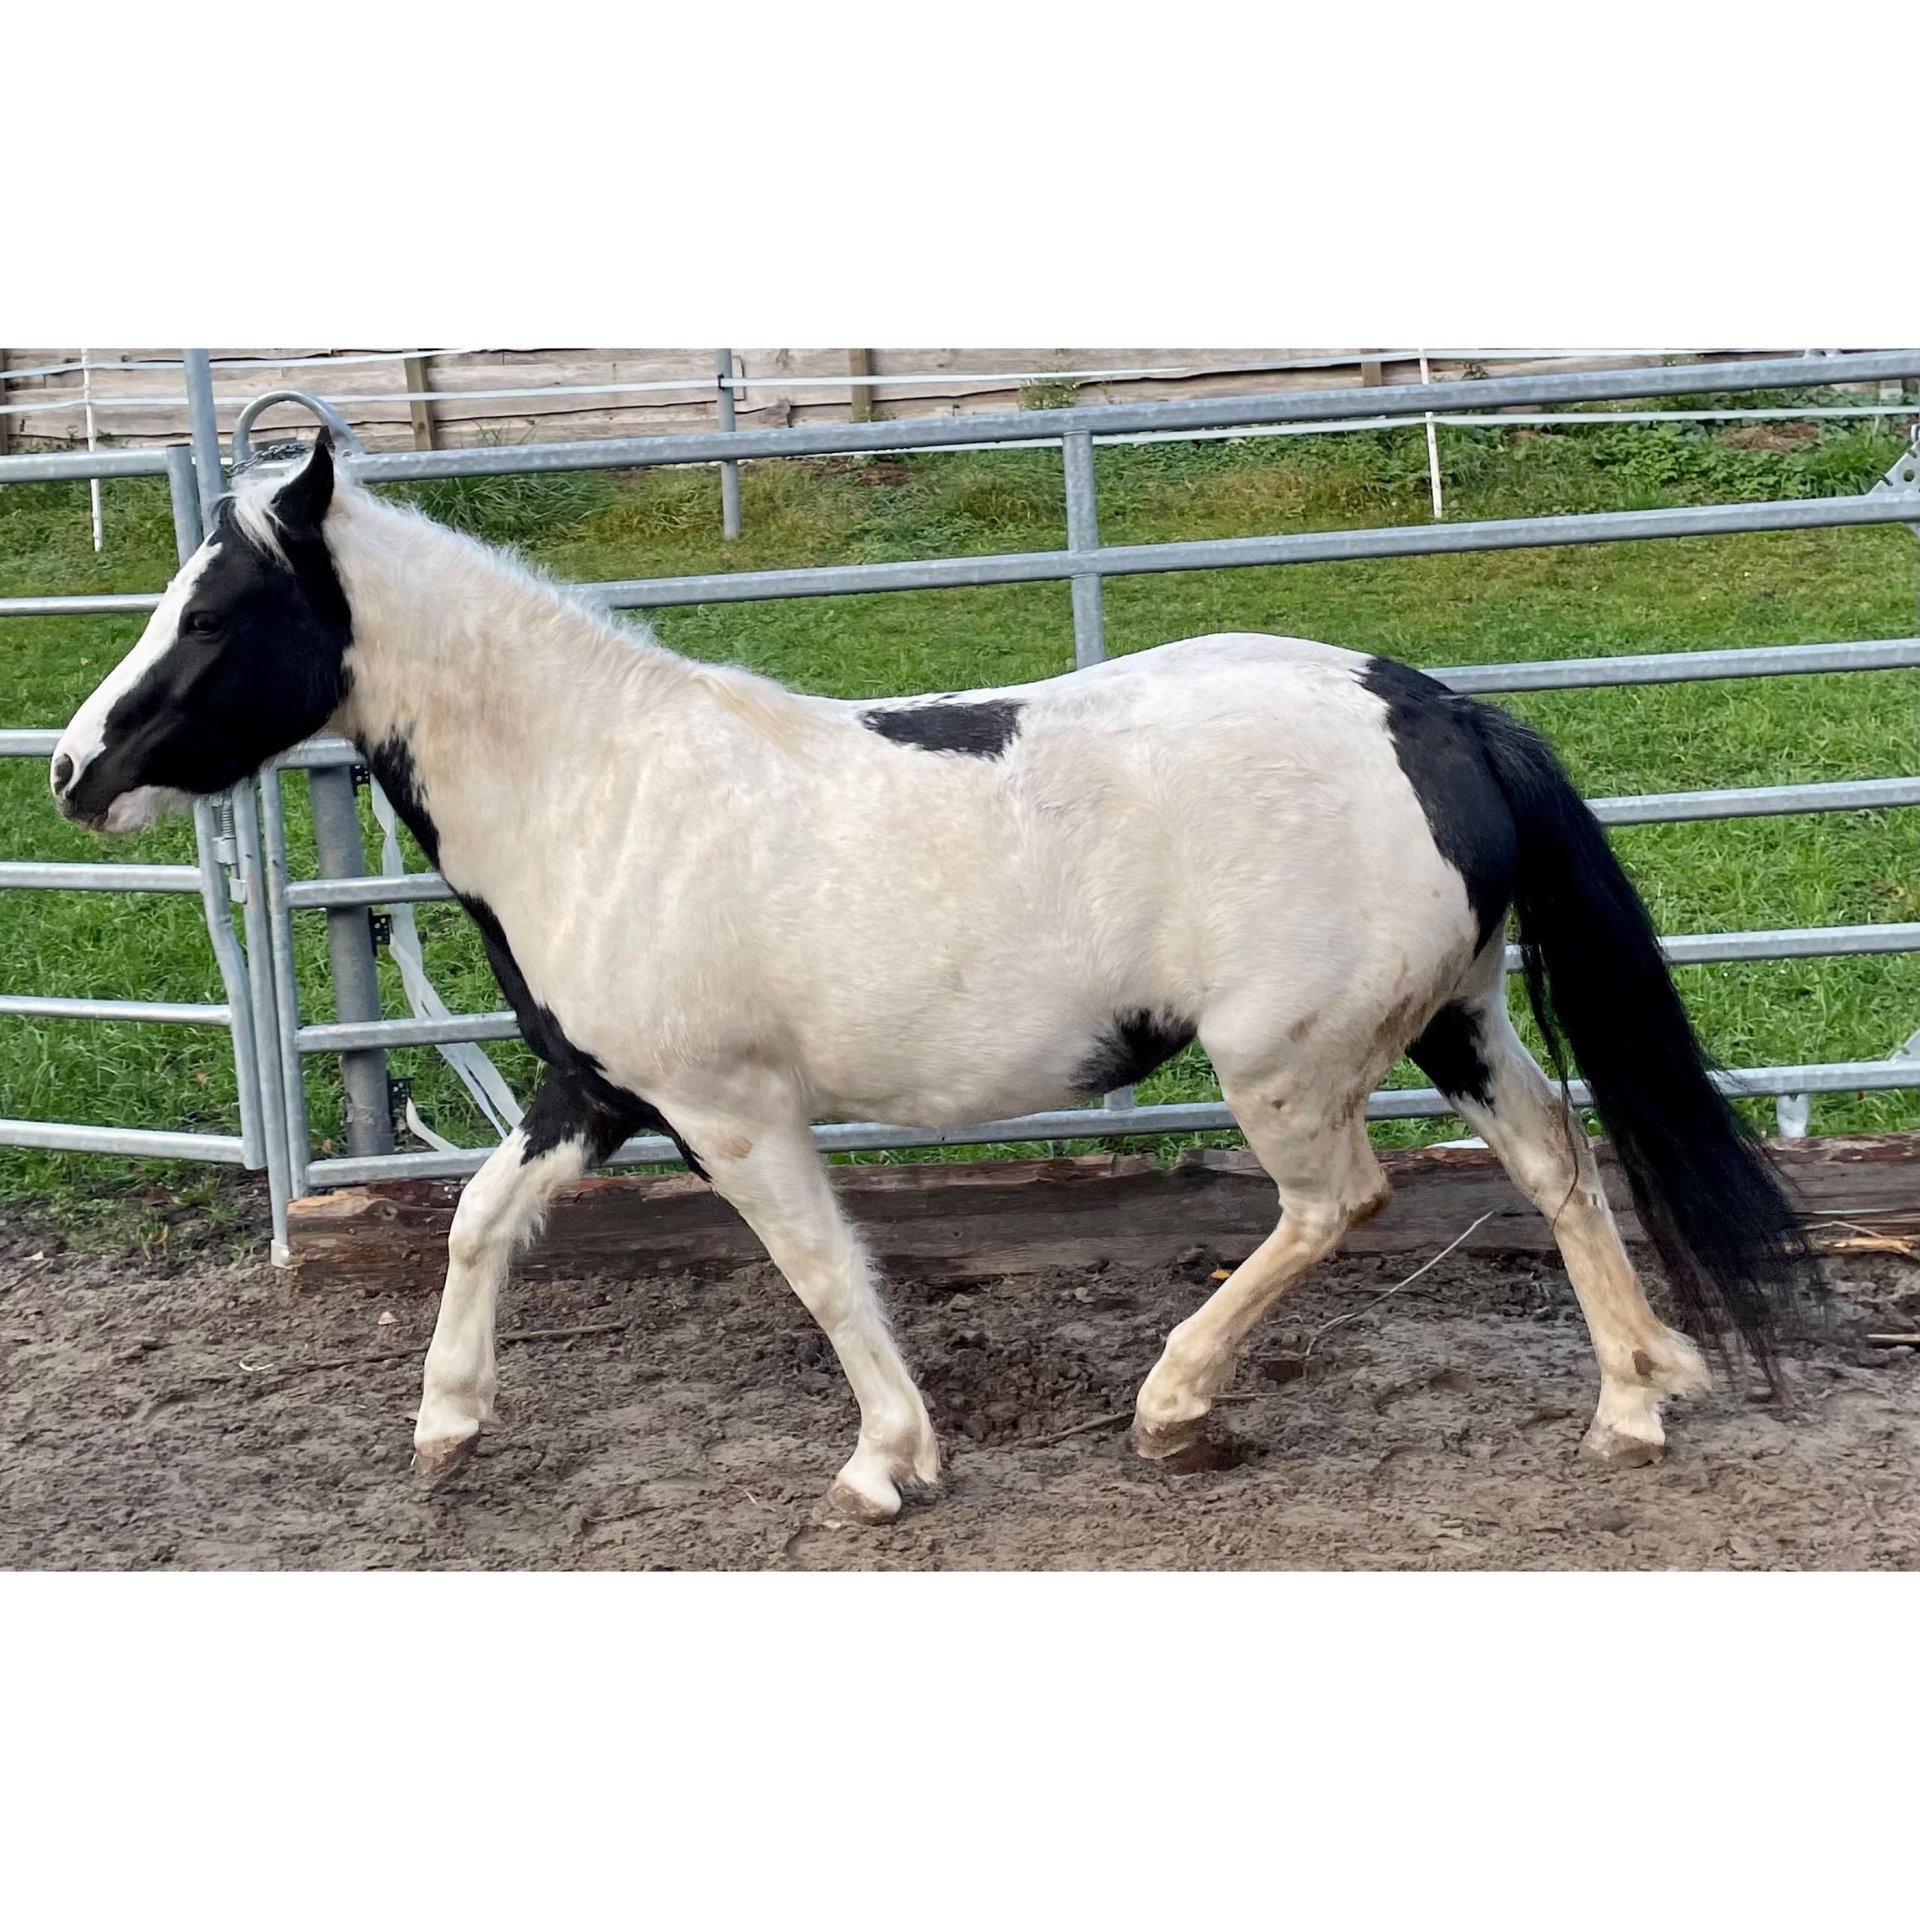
point(262, 1007)
point(1154, 416)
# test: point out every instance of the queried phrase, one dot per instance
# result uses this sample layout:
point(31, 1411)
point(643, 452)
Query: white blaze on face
point(85, 736)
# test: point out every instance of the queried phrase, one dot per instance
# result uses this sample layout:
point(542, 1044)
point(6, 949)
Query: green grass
point(1670, 595)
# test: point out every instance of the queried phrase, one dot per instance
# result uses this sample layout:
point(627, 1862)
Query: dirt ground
point(188, 1409)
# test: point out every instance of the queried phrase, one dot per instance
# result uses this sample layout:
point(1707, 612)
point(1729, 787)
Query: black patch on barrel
point(983, 728)
point(1137, 1042)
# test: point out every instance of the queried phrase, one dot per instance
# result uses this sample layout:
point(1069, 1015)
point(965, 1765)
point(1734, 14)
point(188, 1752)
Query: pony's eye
point(199, 623)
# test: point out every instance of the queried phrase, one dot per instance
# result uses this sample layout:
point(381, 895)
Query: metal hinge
point(380, 925)
point(226, 847)
point(362, 776)
point(1903, 477)
point(399, 1093)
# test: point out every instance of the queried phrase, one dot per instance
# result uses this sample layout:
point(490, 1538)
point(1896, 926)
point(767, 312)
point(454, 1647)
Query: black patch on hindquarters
point(1436, 736)
point(256, 664)
point(576, 1100)
point(1449, 1054)
point(1137, 1043)
point(984, 728)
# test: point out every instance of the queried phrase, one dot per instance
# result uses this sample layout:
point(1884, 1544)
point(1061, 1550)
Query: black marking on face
point(1450, 1054)
point(984, 728)
point(1137, 1043)
point(258, 662)
point(1436, 735)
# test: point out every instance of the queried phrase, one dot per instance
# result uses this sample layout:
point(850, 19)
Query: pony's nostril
point(62, 772)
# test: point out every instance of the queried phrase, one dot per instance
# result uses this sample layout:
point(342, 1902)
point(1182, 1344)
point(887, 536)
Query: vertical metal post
point(729, 469)
point(342, 855)
point(293, 1079)
point(1083, 536)
point(253, 912)
point(206, 428)
point(1089, 607)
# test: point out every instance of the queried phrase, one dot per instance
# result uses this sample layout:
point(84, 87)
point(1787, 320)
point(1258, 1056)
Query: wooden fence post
point(420, 411)
point(6, 400)
point(860, 365)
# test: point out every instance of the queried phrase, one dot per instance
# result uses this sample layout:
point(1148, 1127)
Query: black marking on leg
point(984, 728)
point(568, 1108)
point(1137, 1043)
point(1436, 737)
point(1450, 1055)
point(576, 1100)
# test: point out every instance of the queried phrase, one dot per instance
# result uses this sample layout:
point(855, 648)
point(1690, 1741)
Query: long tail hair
point(1710, 1201)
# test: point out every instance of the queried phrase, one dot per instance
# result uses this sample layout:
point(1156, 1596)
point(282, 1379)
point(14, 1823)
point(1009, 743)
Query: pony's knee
point(480, 1230)
point(471, 1238)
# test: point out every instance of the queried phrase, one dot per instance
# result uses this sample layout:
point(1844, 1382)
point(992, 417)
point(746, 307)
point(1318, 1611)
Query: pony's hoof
point(1615, 1449)
point(1185, 1447)
point(850, 1506)
point(435, 1462)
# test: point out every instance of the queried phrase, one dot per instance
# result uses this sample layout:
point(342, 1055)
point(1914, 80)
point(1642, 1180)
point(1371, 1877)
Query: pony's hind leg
point(500, 1210)
point(1472, 1054)
point(773, 1177)
point(1328, 1178)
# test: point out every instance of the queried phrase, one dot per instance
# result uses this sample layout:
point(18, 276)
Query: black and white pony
point(726, 909)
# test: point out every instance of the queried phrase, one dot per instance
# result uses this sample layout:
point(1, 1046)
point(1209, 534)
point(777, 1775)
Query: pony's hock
point(790, 908)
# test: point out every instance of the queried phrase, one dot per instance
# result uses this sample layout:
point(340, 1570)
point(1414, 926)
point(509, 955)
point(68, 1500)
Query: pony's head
point(244, 657)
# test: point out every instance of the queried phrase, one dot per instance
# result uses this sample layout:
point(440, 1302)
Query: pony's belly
point(993, 1072)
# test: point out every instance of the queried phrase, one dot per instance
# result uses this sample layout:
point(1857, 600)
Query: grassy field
point(1754, 590)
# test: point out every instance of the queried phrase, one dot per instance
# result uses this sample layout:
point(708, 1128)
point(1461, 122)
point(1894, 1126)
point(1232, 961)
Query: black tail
point(1709, 1199)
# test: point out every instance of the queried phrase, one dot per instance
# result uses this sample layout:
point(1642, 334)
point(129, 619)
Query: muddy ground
point(187, 1408)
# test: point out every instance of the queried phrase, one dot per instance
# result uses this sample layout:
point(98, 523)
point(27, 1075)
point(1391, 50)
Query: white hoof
point(436, 1461)
point(1626, 1430)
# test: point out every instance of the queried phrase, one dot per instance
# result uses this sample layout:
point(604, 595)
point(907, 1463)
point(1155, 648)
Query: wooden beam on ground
point(980, 1220)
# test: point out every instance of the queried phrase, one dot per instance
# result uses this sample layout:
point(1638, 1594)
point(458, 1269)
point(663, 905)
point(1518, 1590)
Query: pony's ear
point(303, 502)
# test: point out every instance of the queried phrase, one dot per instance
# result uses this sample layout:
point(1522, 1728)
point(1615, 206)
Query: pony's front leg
point(500, 1211)
point(774, 1178)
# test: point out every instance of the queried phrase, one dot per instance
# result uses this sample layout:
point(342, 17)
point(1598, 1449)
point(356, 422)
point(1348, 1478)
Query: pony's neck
point(462, 654)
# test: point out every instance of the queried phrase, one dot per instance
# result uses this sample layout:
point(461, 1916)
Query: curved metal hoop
point(323, 410)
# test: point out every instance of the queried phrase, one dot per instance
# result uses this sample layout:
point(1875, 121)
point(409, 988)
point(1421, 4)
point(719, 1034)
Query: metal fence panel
point(217, 875)
point(262, 1002)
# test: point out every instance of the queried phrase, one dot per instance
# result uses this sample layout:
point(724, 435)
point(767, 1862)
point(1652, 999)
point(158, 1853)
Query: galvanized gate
point(226, 874)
